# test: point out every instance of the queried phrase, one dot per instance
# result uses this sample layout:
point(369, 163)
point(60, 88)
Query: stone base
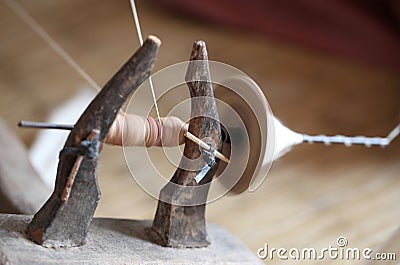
point(117, 241)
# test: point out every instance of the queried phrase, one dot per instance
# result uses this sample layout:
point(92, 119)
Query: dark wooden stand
point(180, 217)
point(65, 218)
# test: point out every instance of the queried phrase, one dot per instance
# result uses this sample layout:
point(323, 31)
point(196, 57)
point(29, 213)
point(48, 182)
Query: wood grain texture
point(180, 217)
point(64, 221)
point(310, 197)
point(21, 188)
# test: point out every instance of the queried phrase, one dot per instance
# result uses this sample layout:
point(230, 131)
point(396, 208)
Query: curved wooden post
point(65, 218)
point(180, 217)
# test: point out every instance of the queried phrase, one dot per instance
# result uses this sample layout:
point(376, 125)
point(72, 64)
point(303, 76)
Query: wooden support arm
point(64, 220)
point(180, 217)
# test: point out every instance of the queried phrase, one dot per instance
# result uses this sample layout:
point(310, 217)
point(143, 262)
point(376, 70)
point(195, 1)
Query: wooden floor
point(312, 196)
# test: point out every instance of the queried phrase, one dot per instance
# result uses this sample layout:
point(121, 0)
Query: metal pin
point(205, 146)
point(44, 125)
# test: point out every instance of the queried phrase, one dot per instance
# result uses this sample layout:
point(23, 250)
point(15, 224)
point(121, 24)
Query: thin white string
point(31, 22)
point(394, 133)
point(140, 36)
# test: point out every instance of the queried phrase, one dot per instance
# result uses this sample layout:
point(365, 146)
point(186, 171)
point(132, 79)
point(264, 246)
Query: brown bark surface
point(180, 216)
point(66, 223)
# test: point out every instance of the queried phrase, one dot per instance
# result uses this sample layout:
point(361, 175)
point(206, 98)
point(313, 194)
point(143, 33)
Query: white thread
point(140, 36)
point(394, 133)
point(285, 139)
point(350, 140)
point(282, 147)
point(30, 21)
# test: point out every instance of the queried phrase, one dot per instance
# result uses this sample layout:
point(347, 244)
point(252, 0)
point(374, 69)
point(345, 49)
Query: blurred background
point(326, 67)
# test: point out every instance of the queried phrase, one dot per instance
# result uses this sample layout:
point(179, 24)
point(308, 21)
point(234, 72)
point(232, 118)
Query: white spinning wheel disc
point(248, 101)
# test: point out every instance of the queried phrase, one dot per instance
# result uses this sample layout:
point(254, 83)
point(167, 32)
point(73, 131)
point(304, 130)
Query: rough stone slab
point(118, 241)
